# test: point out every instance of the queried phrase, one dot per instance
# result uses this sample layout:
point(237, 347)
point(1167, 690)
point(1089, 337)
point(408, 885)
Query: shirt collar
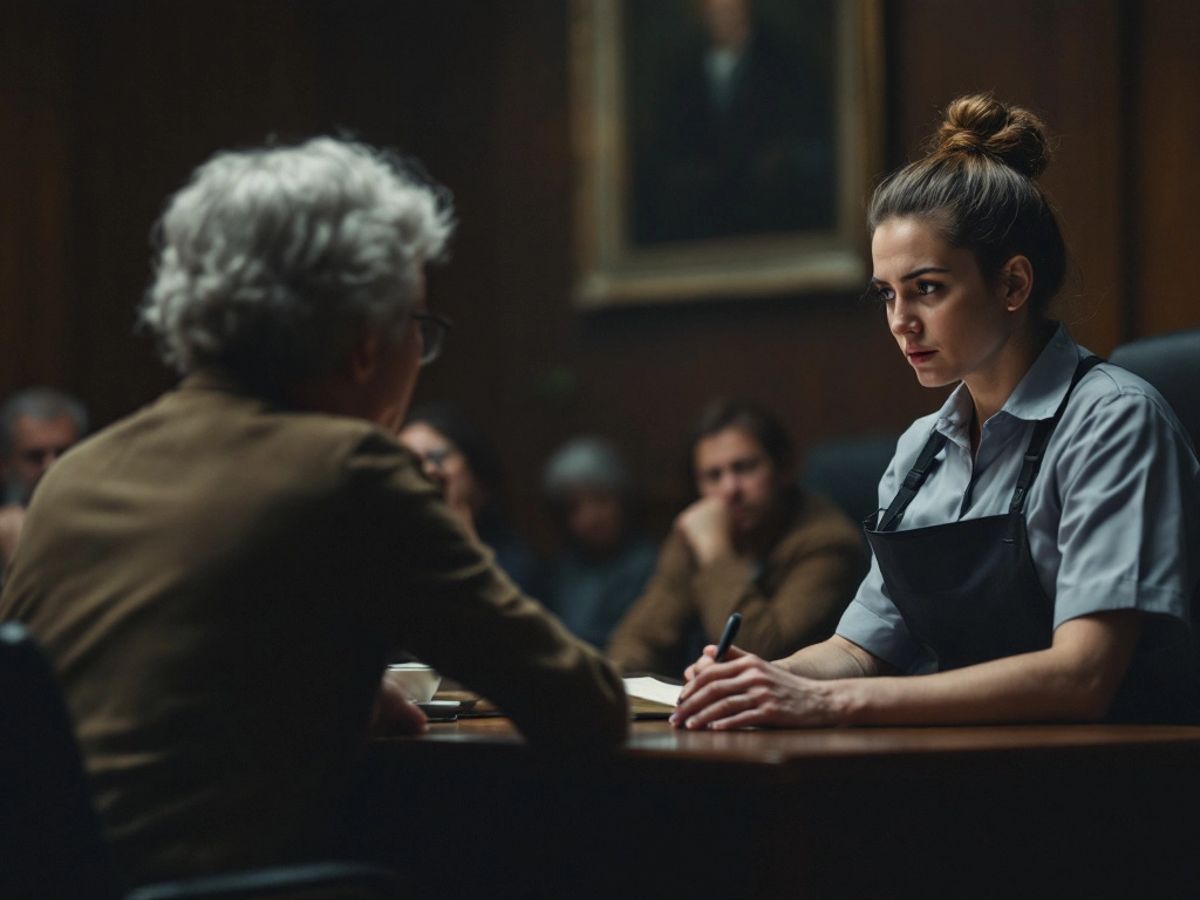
point(1036, 396)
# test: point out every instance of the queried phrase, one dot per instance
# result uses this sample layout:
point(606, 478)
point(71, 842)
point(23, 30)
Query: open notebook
point(650, 697)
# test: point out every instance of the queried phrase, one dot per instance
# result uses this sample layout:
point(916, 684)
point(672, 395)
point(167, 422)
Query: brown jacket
point(217, 583)
point(793, 599)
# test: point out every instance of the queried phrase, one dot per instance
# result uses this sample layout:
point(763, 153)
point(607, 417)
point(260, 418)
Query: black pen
point(731, 629)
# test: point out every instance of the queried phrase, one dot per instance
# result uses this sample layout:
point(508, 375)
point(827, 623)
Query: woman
point(1036, 551)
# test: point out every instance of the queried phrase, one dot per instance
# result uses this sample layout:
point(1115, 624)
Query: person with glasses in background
point(459, 458)
point(37, 426)
point(219, 578)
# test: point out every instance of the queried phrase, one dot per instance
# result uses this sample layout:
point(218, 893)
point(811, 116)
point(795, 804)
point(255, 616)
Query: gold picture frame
point(627, 253)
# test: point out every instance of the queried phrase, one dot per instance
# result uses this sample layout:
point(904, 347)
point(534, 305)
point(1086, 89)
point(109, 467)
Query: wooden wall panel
point(158, 89)
point(1165, 170)
point(1063, 60)
point(36, 259)
point(109, 103)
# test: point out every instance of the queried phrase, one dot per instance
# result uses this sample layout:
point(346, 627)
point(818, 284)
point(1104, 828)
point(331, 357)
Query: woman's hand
point(746, 691)
point(707, 657)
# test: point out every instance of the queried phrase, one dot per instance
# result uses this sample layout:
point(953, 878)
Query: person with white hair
point(606, 560)
point(37, 426)
point(219, 578)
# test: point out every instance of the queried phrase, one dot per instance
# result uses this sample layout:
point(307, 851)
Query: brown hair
point(726, 412)
point(977, 187)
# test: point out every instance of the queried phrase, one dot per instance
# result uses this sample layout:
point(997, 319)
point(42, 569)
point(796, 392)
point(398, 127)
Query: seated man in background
point(218, 578)
point(606, 560)
point(753, 543)
point(37, 425)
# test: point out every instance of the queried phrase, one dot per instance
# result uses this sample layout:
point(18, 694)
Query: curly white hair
point(273, 261)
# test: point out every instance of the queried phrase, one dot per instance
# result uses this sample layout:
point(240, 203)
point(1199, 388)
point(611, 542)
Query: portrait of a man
point(732, 129)
point(723, 147)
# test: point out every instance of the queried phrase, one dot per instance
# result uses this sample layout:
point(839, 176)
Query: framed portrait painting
point(723, 148)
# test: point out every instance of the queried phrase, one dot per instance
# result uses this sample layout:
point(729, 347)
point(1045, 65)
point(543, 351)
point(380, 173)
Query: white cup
point(418, 681)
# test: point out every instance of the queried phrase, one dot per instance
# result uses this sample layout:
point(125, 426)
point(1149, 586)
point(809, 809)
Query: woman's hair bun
point(981, 124)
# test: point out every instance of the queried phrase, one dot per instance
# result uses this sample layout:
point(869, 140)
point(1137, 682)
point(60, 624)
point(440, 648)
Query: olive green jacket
point(217, 582)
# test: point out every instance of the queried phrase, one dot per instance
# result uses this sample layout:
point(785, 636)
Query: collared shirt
point(1113, 517)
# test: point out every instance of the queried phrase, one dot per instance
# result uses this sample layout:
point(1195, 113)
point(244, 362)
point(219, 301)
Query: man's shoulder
point(214, 435)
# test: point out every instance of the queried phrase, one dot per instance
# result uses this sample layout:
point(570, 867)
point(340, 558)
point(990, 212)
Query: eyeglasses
point(437, 456)
point(433, 334)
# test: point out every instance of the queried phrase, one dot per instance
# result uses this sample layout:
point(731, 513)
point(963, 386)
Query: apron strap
point(1041, 436)
point(912, 482)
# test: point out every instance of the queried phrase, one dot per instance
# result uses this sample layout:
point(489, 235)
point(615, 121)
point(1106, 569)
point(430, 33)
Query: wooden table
point(1089, 810)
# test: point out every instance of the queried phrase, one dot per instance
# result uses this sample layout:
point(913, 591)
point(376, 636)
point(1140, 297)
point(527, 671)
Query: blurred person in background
point(606, 560)
point(218, 578)
point(37, 425)
point(461, 459)
point(753, 543)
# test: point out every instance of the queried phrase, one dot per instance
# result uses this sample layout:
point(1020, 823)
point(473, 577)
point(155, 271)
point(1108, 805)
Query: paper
point(647, 688)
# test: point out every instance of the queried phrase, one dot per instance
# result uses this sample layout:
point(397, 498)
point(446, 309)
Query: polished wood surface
point(658, 739)
point(995, 811)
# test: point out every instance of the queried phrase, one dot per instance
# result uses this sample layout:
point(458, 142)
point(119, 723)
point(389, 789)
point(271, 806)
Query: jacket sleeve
point(797, 600)
point(651, 635)
point(437, 593)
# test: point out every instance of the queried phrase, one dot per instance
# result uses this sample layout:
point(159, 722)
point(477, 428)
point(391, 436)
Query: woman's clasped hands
point(746, 691)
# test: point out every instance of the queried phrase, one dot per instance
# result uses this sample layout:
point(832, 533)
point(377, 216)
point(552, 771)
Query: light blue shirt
point(1113, 517)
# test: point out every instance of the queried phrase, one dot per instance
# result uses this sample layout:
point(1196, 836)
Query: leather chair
point(50, 840)
point(847, 471)
point(1170, 362)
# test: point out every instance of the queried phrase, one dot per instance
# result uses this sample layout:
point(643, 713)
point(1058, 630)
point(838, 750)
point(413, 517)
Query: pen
point(731, 629)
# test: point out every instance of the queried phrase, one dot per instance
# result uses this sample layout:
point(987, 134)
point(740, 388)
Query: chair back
point(847, 471)
point(50, 840)
point(1170, 362)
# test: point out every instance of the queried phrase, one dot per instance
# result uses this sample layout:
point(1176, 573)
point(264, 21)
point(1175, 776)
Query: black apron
point(968, 591)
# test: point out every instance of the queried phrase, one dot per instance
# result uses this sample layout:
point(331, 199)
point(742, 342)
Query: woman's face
point(949, 323)
point(444, 464)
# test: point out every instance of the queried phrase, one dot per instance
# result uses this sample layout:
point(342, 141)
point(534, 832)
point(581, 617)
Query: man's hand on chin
point(707, 527)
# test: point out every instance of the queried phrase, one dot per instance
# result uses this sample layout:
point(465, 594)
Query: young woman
point(1036, 550)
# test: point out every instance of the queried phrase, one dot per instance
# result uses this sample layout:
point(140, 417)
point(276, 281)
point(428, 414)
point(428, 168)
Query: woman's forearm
point(1073, 680)
point(834, 658)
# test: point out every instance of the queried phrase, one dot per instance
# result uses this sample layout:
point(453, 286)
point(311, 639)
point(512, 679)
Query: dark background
point(105, 107)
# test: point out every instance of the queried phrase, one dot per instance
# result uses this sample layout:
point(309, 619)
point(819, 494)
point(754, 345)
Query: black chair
point(1170, 362)
point(847, 471)
point(50, 840)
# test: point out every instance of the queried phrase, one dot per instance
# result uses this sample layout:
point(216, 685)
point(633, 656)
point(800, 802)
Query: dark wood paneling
point(1060, 59)
point(1165, 134)
point(108, 105)
point(159, 88)
point(36, 260)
